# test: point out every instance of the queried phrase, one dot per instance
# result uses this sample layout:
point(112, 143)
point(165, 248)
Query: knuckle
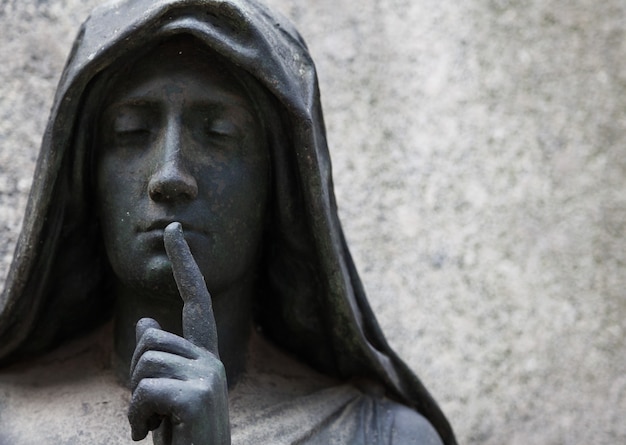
point(147, 364)
point(134, 411)
point(151, 335)
point(219, 369)
point(150, 357)
point(143, 389)
point(213, 381)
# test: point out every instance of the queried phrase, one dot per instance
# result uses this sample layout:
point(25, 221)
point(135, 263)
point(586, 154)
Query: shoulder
point(408, 427)
point(396, 424)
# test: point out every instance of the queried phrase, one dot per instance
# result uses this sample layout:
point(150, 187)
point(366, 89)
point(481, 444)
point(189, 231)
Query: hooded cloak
point(314, 303)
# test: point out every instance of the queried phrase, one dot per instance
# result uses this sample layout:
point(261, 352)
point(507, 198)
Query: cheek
point(253, 199)
point(236, 196)
point(106, 187)
point(118, 191)
point(245, 189)
point(117, 179)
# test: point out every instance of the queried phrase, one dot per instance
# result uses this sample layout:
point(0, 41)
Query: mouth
point(160, 225)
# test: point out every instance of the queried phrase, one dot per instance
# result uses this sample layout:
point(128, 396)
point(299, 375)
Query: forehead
point(180, 68)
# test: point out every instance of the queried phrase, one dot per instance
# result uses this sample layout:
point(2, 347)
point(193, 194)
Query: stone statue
point(183, 191)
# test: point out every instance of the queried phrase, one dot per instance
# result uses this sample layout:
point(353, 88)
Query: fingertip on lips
point(174, 227)
point(173, 233)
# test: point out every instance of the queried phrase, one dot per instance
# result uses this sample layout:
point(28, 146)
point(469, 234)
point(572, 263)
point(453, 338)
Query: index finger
point(198, 320)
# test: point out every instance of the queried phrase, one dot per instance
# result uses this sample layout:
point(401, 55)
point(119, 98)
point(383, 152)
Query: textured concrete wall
point(480, 167)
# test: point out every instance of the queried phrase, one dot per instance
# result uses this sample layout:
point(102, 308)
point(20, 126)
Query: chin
point(151, 277)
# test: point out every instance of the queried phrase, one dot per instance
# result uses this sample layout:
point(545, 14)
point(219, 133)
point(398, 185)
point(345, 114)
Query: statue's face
point(179, 140)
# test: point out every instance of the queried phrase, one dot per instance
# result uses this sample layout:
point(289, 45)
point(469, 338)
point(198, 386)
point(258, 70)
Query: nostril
point(155, 195)
point(172, 185)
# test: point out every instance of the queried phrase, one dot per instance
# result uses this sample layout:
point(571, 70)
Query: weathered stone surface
point(480, 168)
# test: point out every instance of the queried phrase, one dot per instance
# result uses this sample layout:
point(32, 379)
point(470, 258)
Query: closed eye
point(221, 127)
point(130, 137)
point(130, 123)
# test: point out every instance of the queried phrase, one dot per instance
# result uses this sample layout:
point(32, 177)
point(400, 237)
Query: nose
point(171, 182)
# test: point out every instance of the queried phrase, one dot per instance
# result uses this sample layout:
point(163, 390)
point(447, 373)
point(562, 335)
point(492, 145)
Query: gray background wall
point(480, 167)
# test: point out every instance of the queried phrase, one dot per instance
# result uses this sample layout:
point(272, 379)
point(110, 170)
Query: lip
point(160, 225)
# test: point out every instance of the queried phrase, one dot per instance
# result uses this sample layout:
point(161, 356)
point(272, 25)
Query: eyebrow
point(229, 102)
point(129, 103)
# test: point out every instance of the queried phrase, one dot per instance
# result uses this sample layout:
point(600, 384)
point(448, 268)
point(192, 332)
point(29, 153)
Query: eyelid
point(126, 118)
point(130, 126)
point(222, 127)
point(130, 130)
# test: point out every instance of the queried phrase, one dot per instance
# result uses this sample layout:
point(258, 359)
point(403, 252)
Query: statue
point(183, 190)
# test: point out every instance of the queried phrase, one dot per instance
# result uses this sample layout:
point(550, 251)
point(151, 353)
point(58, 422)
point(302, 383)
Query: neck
point(233, 318)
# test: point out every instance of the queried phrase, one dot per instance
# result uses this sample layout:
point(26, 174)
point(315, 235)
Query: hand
point(179, 384)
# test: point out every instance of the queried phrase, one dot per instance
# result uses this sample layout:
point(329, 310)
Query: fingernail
point(174, 227)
